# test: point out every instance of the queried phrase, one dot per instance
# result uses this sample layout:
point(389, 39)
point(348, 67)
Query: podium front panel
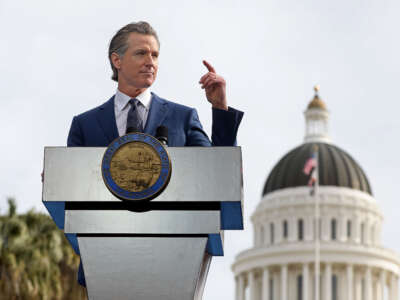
point(151, 222)
point(199, 174)
point(126, 268)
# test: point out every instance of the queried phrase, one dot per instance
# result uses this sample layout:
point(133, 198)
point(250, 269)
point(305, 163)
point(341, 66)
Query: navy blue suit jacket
point(98, 128)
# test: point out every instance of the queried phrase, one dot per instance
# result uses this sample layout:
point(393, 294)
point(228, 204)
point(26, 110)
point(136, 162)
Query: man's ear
point(116, 60)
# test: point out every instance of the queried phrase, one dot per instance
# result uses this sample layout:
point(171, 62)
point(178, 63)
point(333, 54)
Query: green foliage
point(12, 207)
point(36, 260)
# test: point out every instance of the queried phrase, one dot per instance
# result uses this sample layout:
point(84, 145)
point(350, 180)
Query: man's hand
point(215, 87)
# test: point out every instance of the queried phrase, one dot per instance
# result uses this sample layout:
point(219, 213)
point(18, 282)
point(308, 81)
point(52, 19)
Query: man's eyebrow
point(145, 49)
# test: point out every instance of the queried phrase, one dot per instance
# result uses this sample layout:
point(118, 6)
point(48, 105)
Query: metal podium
point(159, 249)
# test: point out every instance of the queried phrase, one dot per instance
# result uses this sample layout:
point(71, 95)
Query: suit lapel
point(157, 113)
point(106, 119)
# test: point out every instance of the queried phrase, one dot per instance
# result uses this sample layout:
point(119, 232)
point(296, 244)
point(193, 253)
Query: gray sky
point(54, 66)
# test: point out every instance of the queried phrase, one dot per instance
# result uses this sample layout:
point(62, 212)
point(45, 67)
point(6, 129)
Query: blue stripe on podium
point(57, 212)
point(214, 245)
point(231, 216)
point(73, 240)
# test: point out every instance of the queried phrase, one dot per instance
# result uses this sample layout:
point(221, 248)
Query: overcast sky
point(54, 65)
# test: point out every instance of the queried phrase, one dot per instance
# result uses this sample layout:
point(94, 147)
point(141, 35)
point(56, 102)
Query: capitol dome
point(336, 168)
point(318, 242)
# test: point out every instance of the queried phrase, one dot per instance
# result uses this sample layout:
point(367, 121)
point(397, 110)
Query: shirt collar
point(121, 99)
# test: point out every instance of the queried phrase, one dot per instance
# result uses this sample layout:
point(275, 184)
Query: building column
point(368, 284)
point(390, 288)
point(373, 233)
point(357, 285)
point(236, 287)
point(265, 284)
point(367, 232)
point(351, 238)
point(342, 229)
point(279, 231)
point(260, 235)
point(267, 234)
point(350, 282)
point(284, 270)
point(325, 234)
point(292, 222)
point(382, 283)
point(240, 287)
point(255, 234)
point(357, 230)
point(305, 281)
point(252, 285)
point(393, 291)
point(308, 226)
point(362, 232)
point(328, 282)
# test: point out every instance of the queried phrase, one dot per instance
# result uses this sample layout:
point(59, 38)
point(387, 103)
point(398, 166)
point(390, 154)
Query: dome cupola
point(316, 120)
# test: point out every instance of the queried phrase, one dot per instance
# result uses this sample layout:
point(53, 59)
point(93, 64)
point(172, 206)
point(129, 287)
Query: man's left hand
point(215, 87)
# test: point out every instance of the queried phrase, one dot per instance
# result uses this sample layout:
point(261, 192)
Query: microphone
point(162, 135)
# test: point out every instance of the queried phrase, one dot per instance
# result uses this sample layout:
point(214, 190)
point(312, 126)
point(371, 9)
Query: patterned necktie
point(134, 120)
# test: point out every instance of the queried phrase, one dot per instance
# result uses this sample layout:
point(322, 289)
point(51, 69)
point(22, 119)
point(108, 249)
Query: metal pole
point(317, 244)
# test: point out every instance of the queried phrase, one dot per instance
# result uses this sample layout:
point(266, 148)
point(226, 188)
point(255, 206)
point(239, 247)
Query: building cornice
point(331, 252)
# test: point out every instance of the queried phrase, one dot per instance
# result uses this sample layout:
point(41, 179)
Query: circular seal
point(136, 166)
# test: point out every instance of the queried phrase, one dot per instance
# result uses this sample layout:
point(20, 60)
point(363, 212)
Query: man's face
point(138, 66)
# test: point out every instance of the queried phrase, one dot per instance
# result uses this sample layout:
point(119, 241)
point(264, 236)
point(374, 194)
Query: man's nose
point(150, 61)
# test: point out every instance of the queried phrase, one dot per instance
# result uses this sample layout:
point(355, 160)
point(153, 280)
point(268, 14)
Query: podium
point(160, 249)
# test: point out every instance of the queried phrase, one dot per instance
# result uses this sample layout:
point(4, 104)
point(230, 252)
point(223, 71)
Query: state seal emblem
point(136, 166)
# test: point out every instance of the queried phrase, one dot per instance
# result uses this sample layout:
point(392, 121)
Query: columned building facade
point(354, 265)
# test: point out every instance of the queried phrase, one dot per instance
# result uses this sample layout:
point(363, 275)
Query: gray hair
point(119, 43)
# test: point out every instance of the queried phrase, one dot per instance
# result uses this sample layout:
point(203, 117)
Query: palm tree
point(36, 260)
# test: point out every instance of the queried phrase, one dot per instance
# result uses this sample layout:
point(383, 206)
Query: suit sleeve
point(75, 137)
point(225, 125)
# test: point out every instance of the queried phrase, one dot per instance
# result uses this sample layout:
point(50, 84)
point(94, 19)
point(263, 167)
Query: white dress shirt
point(122, 106)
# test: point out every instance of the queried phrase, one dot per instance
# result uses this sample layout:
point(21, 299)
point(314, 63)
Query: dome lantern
point(316, 120)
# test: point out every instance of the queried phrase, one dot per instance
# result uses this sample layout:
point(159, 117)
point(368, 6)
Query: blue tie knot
point(134, 102)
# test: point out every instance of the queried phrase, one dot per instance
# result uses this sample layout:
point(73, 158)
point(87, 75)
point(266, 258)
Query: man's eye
point(155, 55)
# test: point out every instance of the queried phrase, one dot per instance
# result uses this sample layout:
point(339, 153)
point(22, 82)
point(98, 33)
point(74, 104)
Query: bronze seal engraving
point(136, 166)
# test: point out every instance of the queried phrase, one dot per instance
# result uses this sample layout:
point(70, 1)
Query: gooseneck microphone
point(162, 135)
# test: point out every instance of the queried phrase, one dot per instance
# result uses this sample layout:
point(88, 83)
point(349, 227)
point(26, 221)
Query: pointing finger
point(209, 67)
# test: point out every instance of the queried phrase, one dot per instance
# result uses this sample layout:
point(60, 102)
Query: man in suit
point(133, 55)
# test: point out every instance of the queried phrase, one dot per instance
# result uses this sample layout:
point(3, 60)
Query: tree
point(36, 260)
